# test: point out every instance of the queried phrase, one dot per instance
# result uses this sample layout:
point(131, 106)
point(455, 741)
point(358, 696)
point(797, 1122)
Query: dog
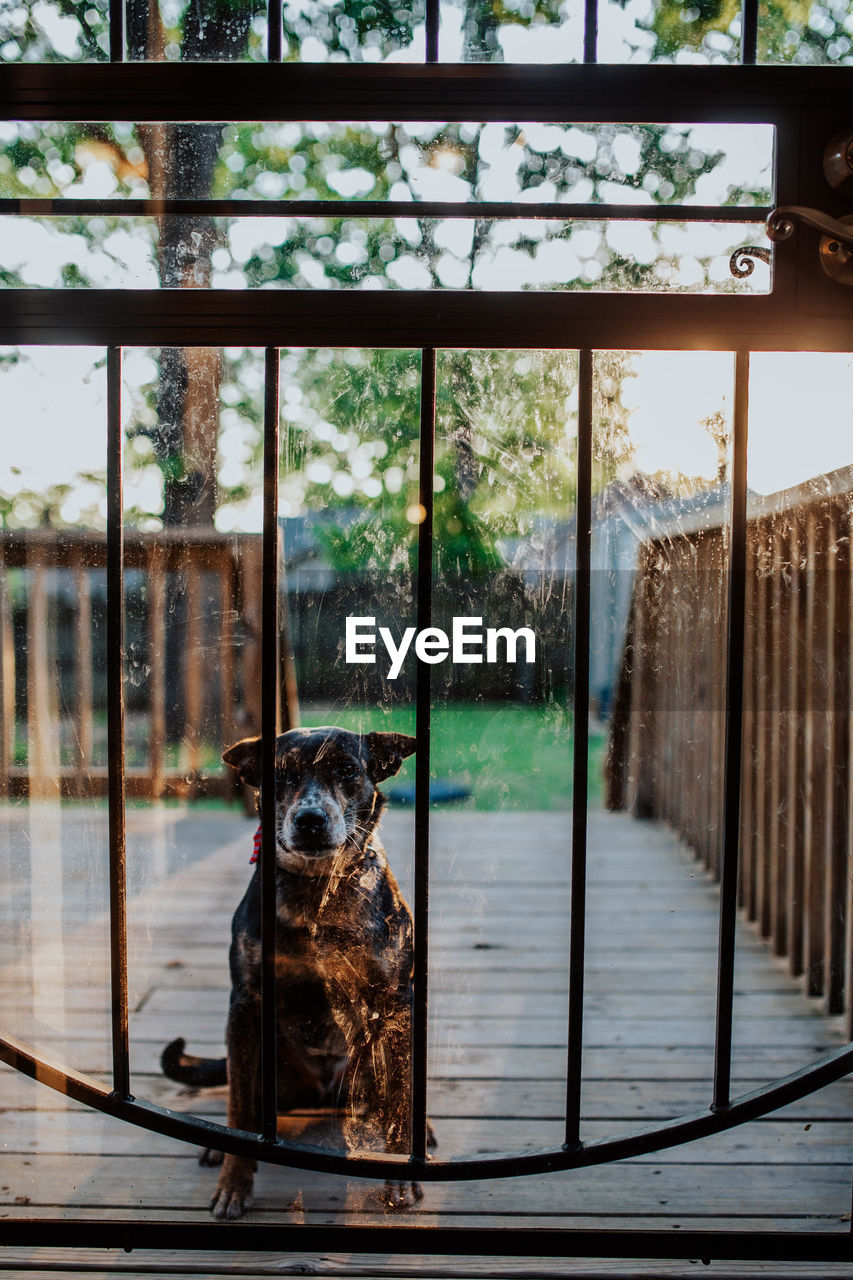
point(344, 957)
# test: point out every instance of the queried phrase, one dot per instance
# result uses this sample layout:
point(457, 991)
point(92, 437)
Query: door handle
point(836, 243)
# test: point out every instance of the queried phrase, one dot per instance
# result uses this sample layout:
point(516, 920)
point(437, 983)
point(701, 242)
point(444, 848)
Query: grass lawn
point(510, 756)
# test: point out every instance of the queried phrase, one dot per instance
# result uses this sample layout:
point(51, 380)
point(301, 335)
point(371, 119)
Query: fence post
point(83, 669)
point(837, 796)
point(817, 756)
point(7, 681)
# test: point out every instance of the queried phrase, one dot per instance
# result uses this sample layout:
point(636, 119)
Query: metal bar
point(116, 30)
point(399, 91)
point(733, 738)
point(671, 1133)
point(423, 712)
point(749, 33)
point(514, 1242)
point(387, 318)
point(432, 30)
point(580, 724)
point(480, 209)
point(590, 32)
point(115, 728)
point(273, 30)
point(269, 726)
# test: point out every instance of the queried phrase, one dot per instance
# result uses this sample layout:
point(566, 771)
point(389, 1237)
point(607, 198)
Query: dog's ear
point(386, 752)
point(245, 757)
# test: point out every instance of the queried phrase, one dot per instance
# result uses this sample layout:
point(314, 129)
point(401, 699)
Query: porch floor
point(499, 942)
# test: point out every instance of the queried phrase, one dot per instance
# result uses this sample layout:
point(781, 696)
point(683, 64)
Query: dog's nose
point(310, 821)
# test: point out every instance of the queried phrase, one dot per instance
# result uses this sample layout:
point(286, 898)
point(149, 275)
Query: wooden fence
point(193, 622)
point(666, 746)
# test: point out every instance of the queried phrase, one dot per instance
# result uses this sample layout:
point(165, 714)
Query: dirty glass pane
point(796, 747)
point(662, 423)
point(668, 31)
point(218, 31)
point(55, 32)
point(501, 745)
point(578, 163)
point(401, 253)
point(349, 518)
point(54, 929)
point(193, 442)
point(514, 31)
point(808, 34)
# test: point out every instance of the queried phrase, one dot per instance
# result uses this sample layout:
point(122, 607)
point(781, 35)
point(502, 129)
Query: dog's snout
point(309, 820)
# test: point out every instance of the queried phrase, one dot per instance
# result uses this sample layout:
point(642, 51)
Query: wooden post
point(157, 661)
point(779, 658)
point(227, 687)
point(816, 752)
point(762, 779)
point(7, 681)
point(193, 667)
point(42, 725)
point(83, 671)
point(746, 866)
point(795, 783)
point(837, 796)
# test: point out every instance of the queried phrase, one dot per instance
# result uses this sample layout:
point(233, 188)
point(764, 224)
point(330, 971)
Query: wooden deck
point(498, 1007)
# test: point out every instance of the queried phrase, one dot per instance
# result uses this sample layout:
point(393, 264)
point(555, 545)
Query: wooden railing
point(666, 745)
point(193, 659)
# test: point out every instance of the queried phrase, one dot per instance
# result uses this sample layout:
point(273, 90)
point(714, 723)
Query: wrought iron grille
point(800, 104)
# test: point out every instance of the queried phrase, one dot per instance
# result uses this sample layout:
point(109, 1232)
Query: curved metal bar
point(702, 1124)
point(741, 264)
point(782, 223)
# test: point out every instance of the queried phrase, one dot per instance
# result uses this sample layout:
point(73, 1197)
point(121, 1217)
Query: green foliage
point(797, 31)
point(511, 757)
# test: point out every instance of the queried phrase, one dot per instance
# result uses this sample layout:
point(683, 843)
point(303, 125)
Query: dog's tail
point(204, 1073)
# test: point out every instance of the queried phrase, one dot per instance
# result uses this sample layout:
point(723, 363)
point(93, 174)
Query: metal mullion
point(115, 729)
point(736, 623)
point(580, 770)
point(116, 30)
point(400, 92)
point(590, 32)
point(480, 209)
point(269, 726)
point(749, 32)
point(432, 27)
point(386, 318)
point(423, 712)
point(274, 31)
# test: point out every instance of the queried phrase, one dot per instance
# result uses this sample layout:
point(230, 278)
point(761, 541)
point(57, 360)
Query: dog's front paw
point(208, 1157)
point(402, 1195)
point(233, 1195)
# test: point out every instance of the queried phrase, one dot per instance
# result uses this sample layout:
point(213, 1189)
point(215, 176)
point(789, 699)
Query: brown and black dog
point(343, 956)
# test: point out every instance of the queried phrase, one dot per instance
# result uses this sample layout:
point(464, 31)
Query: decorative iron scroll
point(741, 264)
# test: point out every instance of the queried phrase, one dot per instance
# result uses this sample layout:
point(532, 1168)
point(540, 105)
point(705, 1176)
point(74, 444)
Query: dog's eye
point(351, 774)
